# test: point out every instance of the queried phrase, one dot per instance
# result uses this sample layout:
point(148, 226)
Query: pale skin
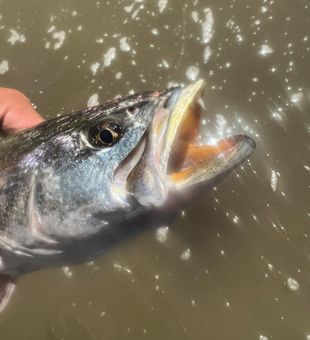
point(16, 111)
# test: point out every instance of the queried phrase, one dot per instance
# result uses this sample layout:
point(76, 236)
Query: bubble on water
point(4, 67)
point(94, 68)
point(118, 75)
point(60, 36)
point(276, 116)
point(186, 255)
point(154, 31)
point(195, 16)
point(235, 29)
point(16, 37)
point(308, 337)
point(165, 63)
point(51, 29)
point(66, 270)
point(236, 219)
point(207, 26)
point(162, 4)
point(162, 234)
point(207, 54)
point(192, 73)
point(93, 100)
point(296, 97)
point(124, 46)
point(265, 50)
point(121, 268)
point(274, 180)
point(129, 8)
point(109, 56)
point(262, 337)
point(263, 9)
point(270, 267)
point(239, 38)
point(292, 284)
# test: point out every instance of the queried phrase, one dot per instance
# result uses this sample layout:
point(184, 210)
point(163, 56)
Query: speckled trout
point(76, 185)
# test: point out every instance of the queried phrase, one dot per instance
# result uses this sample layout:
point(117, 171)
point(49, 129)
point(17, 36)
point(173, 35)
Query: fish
point(76, 185)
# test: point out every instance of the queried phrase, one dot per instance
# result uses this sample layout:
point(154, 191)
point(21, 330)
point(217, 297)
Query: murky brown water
point(236, 264)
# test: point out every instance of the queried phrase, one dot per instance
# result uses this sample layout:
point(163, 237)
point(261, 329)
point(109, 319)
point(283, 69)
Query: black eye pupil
point(106, 136)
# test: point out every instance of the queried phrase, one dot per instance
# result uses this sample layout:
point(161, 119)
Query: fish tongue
point(7, 287)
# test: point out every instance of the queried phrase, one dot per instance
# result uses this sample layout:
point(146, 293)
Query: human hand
point(16, 111)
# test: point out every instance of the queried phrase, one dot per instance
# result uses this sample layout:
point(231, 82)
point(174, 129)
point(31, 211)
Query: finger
point(16, 111)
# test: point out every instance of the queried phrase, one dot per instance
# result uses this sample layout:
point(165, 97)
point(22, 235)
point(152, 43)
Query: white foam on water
point(162, 4)
point(274, 180)
point(192, 73)
point(195, 16)
point(94, 68)
point(109, 56)
point(60, 37)
point(236, 219)
point(263, 9)
point(207, 26)
point(4, 67)
point(66, 270)
point(124, 46)
point(292, 284)
point(164, 63)
point(262, 337)
point(121, 268)
point(265, 50)
point(186, 255)
point(207, 54)
point(51, 29)
point(162, 234)
point(154, 31)
point(296, 97)
point(93, 100)
point(16, 37)
point(118, 75)
point(129, 8)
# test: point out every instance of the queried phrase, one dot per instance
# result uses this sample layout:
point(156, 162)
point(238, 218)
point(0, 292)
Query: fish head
point(78, 166)
point(89, 170)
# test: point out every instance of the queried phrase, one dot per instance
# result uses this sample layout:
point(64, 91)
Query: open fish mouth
point(171, 158)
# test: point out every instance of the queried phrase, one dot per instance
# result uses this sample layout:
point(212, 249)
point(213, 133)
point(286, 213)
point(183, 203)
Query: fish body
point(75, 185)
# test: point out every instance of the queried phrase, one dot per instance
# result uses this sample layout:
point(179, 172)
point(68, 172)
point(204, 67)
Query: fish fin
point(7, 287)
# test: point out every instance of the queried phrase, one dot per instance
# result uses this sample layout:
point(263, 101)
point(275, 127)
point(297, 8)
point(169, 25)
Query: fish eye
point(131, 109)
point(105, 134)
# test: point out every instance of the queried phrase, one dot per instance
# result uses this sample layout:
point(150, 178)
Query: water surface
point(236, 263)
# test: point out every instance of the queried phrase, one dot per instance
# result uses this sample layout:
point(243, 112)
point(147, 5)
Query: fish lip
point(213, 170)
